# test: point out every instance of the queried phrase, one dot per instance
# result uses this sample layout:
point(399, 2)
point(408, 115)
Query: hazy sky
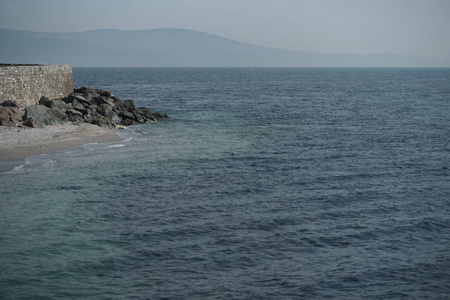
point(409, 27)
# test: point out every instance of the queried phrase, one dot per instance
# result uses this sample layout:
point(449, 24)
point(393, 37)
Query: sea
point(263, 183)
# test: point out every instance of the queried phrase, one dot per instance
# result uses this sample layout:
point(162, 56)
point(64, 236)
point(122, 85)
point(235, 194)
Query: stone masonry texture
point(27, 84)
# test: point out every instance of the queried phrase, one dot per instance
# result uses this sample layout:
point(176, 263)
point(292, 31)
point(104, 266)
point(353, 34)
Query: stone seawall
point(26, 84)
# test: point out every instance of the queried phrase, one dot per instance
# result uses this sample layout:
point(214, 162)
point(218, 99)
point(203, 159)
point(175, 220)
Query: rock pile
point(84, 105)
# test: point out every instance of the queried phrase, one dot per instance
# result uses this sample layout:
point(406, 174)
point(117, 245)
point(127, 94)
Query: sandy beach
point(20, 143)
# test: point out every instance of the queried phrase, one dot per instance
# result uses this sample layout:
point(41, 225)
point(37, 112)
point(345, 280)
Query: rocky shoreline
point(84, 105)
point(85, 116)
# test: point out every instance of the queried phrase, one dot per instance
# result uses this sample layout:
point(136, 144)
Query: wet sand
point(20, 143)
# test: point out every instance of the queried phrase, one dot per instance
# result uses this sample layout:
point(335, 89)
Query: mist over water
point(262, 184)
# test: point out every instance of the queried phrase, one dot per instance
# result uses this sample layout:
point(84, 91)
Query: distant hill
point(174, 48)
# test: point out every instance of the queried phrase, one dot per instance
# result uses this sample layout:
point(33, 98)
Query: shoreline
point(17, 144)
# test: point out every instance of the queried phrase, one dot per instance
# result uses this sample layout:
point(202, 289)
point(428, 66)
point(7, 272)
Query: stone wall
point(26, 84)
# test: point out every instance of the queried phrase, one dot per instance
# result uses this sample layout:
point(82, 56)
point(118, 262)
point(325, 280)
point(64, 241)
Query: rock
point(78, 97)
point(88, 93)
point(104, 118)
point(75, 118)
point(98, 100)
point(9, 103)
point(114, 99)
point(142, 115)
point(88, 119)
point(105, 93)
point(15, 113)
point(10, 116)
point(101, 121)
point(110, 102)
point(125, 115)
point(101, 101)
point(82, 110)
point(159, 116)
point(74, 112)
point(129, 104)
point(119, 106)
point(112, 117)
point(78, 107)
point(30, 122)
point(127, 122)
point(4, 116)
point(85, 90)
point(57, 103)
point(141, 119)
point(45, 115)
point(143, 111)
point(85, 104)
point(45, 101)
point(104, 107)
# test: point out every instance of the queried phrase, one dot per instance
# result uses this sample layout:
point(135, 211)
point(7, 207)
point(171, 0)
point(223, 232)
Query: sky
point(409, 27)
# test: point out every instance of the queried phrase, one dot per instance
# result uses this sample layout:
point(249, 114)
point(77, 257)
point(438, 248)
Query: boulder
point(98, 100)
point(112, 117)
point(104, 118)
point(101, 121)
point(82, 110)
point(15, 113)
point(45, 115)
point(88, 93)
point(85, 90)
point(127, 122)
point(103, 101)
point(143, 115)
point(105, 93)
point(88, 119)
point(114, 99)
point(75, 105)
point(110, 102)
point(75, 118)
point(129, 104)
point(73, 112)
point(10, 116)
point(104, 107)
point(159, 116)
point(46, 102)
point(125, 114)
point(120, 106)
point(9, 103)
point(78, 97)
point(30, 122)
point(58, 104)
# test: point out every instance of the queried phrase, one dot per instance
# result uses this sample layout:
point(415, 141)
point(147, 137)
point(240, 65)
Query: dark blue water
point(263, 184)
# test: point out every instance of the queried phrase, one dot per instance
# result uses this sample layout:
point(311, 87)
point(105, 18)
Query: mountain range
point(168, 47)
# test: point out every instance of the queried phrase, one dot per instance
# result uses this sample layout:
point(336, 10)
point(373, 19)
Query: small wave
point(127, 140)
point(102, 146)
point(33, 163)
point(117, 146)
point(18, 169)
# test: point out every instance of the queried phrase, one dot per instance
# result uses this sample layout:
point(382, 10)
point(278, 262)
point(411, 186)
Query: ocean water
point(262, 184)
